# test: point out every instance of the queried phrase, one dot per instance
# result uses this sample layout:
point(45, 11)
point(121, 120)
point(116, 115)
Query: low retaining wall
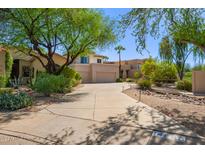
point(198, 82)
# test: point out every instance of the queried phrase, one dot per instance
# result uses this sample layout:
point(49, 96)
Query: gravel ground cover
point(189, 110)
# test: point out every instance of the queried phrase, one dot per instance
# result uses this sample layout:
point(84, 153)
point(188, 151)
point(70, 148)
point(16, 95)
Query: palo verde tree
point(119, 49)
point(176, 52)
point(184, 25)
point(41, 33)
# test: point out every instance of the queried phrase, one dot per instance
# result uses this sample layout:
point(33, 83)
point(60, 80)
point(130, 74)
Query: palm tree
point(119, 49)
point(105, 58)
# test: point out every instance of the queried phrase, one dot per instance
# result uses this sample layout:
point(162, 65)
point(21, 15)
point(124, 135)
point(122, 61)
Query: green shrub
point(48, 83)
point(199, 68)
point(144, 84)
point(129, 80)
point(69, 73)
point(137, 75)
point(184, 85)
point(8, 68)
point(12, 102)
point(8, 65)
point(77, 80)
point(148, 68)
point(188, 76)
point(165, 73)
point(2, 81)
point(5, 90)
point(119, 80)
point(77, 76)
point(72, 75)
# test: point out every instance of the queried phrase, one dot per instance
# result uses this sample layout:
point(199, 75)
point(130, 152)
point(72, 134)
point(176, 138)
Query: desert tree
point(177, 52)
point(184, 25)
point(41, 33)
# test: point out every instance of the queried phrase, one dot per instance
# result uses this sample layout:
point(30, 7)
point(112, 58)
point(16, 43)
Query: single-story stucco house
point(91, 68)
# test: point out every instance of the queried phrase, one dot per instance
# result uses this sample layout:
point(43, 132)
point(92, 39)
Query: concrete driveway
point(94, 114)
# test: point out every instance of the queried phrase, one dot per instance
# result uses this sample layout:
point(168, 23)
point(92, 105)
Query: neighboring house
point(90, 67)
point(129, 67)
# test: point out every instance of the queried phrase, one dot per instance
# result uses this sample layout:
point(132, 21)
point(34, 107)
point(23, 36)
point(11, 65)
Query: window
point(84, 60)
point(99, 61)
point(26, 71)
point(138, 66)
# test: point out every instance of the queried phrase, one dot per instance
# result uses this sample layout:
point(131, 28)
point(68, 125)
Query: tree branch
point(194, 43)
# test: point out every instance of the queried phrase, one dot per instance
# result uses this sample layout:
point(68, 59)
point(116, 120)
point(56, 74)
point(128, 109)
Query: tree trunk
point(181, 75)
point(51, 67)
point(180, 71)
point(120, 74)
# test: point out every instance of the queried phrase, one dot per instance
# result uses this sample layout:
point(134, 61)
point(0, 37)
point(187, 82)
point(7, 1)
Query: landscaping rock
point(187, 109)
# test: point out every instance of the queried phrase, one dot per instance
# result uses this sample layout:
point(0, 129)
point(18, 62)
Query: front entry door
point(15, 69)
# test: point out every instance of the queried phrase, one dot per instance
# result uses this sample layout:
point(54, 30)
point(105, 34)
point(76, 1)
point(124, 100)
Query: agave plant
point(16, 82)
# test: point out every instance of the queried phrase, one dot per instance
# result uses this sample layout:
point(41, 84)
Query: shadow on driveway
point(126, 129)
point(60, 98)
point(6, 117)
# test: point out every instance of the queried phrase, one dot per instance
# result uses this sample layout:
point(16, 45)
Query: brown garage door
point(105, 77)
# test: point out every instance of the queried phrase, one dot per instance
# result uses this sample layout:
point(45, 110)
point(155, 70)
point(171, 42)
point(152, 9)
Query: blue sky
point(129, 42)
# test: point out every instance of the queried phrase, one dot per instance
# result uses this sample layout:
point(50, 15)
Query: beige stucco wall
point(38, 66)
point(59, 59)
point(131, 62)
point(92, 59)
point(131, 66)
point(85, 71)
point(132, 72)
point(109, 72)
point(2, 63)
point(92, 73)
point(198, 82)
